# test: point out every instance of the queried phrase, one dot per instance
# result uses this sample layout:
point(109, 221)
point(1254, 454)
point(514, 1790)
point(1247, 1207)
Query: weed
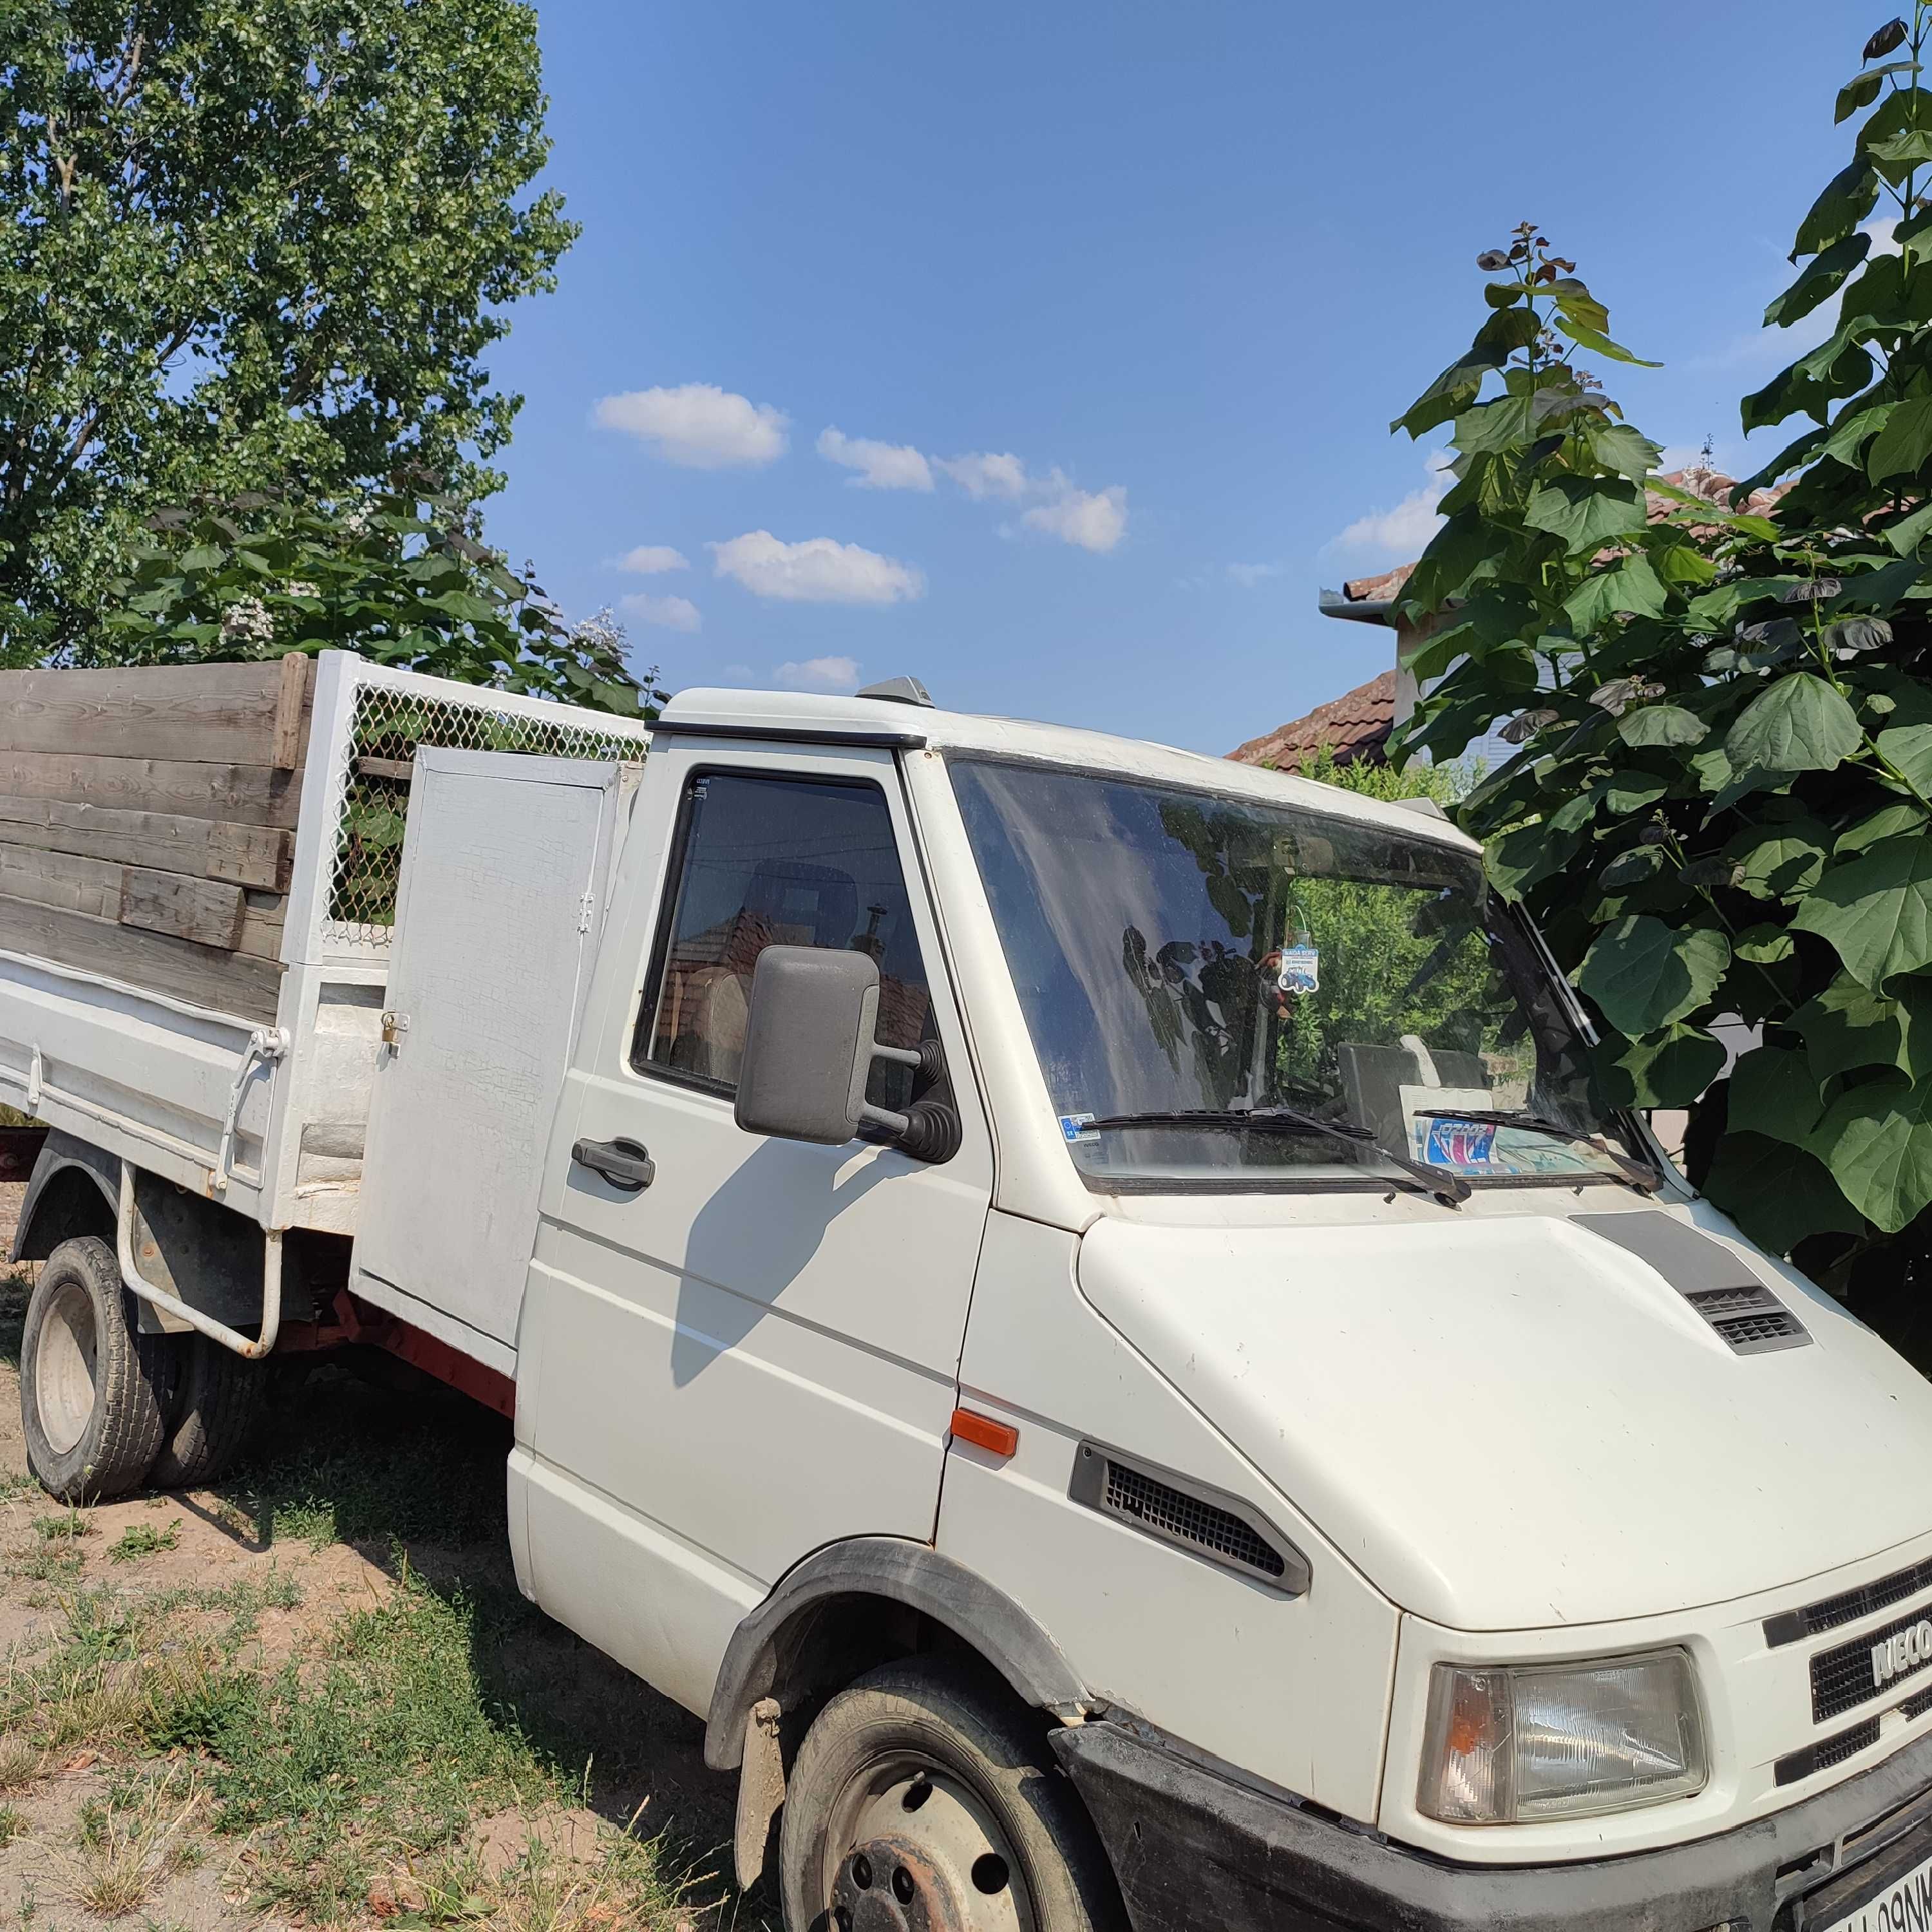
point(12, 1825)
point(14, 1485)
point(131, 1840)
point(47, 1563)
point(19, 1761)
point(70, 1527)
point(143, 1539)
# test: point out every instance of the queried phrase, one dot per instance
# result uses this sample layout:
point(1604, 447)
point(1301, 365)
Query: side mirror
point(809, 1047)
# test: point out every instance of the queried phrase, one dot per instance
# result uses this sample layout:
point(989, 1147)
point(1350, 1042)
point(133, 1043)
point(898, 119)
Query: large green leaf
point(1643, 974)
point(1775, 1093)
point(1629, 588)
point(1585, 512)
point(1777, 1193)
point(1779, 862)
point(1628, 451)
point(1876, 1140)
point(1875, 909)
point(1529, 854)
point(1908, 749)
point(1847, 198)
point(1904, 443)
point(1501, 424)
point(1670, 1069)
point(1818, 279)
point(1889, 821)
point(1661, 724)
point(1800, 724)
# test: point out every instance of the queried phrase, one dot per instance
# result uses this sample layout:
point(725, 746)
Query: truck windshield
point(1180, 953)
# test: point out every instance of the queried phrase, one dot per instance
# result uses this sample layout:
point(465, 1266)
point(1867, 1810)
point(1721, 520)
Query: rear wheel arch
point(74, 1190)
point(854, 1605)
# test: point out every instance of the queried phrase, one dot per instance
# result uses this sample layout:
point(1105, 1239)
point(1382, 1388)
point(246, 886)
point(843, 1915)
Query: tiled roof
point(1354, 726)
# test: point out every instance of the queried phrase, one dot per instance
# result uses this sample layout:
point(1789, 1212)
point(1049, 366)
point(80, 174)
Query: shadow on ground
point(410, 1474)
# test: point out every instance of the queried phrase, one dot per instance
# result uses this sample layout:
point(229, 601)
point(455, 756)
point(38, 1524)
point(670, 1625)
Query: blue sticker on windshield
point(1073, 1126)
point(1460, 1143)
point(1300, 969)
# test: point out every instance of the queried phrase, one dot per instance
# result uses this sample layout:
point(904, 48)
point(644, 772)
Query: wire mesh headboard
point(390, 714)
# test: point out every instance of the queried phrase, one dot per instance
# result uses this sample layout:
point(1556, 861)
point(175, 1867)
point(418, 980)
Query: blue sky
point(1126, 294)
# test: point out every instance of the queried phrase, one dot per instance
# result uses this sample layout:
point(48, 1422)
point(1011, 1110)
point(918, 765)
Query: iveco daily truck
point(1078, 1302)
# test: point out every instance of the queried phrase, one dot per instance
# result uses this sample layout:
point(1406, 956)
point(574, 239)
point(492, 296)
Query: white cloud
point(1408, 527)
point(820, 674)
point(1095, 520)
point(881, 466)
point(649, 559)
point(818, 571)
point(985, 475)
point(668, 614)
point(699, 425)
point(1247, 575)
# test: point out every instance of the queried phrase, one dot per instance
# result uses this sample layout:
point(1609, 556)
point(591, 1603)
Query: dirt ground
point(176, 1670)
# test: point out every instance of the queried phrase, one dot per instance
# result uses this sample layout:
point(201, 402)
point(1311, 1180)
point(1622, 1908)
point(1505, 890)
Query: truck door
point(756, 1353)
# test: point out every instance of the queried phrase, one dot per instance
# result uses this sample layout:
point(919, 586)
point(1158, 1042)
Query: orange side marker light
point(968, 1425)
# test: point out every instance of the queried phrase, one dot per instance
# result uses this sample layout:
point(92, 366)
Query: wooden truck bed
point(199, 866)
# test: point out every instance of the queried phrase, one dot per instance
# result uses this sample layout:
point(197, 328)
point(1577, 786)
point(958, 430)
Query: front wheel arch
point(784, 1648)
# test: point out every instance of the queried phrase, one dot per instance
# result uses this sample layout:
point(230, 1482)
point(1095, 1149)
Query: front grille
point(1188, 1519)
point(1844, 1676)
point(1815, 1619)
point(1822, 1756)
point(1221, 1528)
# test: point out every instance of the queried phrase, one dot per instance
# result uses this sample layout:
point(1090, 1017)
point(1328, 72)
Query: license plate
point(1904, 1906)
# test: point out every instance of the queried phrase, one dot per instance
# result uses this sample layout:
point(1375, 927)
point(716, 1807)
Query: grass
point(69, 1527)
point(143, 1539)
point(127, 1844)
point(12, 1825)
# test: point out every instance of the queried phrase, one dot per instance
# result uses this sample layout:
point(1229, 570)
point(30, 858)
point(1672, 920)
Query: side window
point(777, 861)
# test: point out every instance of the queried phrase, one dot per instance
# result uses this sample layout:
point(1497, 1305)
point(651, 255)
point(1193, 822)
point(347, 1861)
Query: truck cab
point(1083, 1306)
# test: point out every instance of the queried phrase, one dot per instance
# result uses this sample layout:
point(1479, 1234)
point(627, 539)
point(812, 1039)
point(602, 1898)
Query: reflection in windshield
point(1177, 951)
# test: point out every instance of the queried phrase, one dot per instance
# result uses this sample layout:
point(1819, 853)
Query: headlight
point(1506, 1746)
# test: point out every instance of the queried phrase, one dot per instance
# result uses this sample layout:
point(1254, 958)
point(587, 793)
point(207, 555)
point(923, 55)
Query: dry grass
point(19, 1761)
point(128, 1844)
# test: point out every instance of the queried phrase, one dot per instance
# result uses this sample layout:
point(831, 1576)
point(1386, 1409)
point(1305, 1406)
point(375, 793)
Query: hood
point(1511, 1423)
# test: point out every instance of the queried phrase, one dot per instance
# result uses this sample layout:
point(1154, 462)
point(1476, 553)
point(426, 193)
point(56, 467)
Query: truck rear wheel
point(208, 1413)
point(924, 1796)
point(90, 1380)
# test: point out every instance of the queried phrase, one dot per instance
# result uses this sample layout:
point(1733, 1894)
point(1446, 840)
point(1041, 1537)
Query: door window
point(777, 861)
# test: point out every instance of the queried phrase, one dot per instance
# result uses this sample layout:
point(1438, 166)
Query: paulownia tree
point(1722, 801)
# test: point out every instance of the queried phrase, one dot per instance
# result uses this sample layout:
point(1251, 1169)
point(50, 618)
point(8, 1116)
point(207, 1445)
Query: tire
point(999, 1842)
point(209, 1413)
point(90, 1382)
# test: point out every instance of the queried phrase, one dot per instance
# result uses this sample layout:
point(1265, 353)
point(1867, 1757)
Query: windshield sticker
point(1300, 969)
point(1458, 1144)
point(1074, 1126)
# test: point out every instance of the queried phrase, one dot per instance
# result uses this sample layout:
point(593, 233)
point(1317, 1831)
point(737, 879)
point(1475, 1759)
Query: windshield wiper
point(1642, 1178)
point(1449, 1189)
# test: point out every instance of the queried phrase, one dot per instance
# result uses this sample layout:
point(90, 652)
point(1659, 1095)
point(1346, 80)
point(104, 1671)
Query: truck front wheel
point(924, 1796)
point(89, 1378)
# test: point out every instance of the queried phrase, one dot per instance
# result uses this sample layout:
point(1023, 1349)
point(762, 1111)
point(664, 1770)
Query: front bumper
point(1195, 1845)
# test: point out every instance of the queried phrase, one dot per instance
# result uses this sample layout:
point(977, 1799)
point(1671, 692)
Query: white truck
point(1078, 1302)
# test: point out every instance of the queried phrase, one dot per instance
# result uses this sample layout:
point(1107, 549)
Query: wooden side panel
point(260, 856)
point(147, 822)
point(228, 982)
point(245, 794)
point(245, 714)
point(204, 911)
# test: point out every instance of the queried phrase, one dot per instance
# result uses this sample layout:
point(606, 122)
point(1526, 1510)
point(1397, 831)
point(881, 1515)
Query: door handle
point(622, 1163)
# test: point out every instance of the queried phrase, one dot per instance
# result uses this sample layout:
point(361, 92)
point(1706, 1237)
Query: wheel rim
point(63, 1367)
point(914, 1847)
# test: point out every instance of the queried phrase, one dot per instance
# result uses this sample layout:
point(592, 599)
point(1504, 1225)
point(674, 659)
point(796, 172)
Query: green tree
point(246, 248)
point(398, 578)
point(1722, 801)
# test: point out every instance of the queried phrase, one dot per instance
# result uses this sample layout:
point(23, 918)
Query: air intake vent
point(1751, 1319)
point(1793, 1626)
point(1211, 1524)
